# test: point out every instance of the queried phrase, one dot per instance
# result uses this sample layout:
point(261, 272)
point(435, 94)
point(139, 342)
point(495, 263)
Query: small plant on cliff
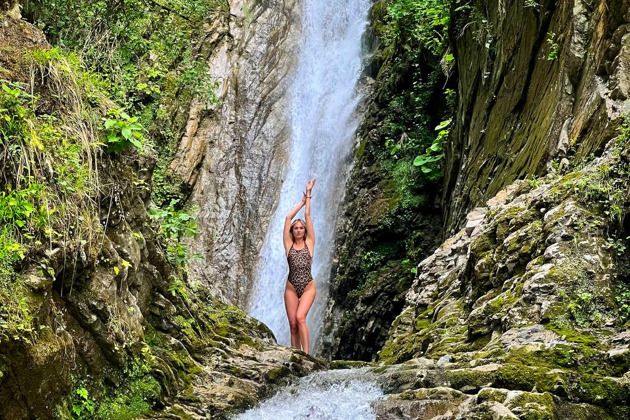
point(623, 301)
point(15, 123)
point(123, 131)
point(405, 263)
point(619, 245)
point(178, 287)
point(429, 161)
point(83, 406)
point(584, 309)
point(175, 226)
point(532, 3)
point(196, 78)
point(135, 396)
point(553, 46)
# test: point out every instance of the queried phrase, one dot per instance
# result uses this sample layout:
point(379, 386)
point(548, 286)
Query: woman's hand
point(310, 184)
point(303, 198)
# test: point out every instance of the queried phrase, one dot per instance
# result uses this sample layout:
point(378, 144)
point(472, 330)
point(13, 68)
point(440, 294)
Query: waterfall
point(340, 394)
point(323, 122)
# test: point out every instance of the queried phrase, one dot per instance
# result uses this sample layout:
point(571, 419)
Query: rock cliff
point(234, 158)
point(522, 311)
point(537, 81)
point(525, 298)
point(97, 321)
point(391, 218)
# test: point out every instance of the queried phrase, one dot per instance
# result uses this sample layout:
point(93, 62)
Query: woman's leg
point(302, 310)
point(291, 304)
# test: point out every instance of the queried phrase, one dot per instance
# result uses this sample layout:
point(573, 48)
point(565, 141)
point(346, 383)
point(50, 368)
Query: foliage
point(123, 131)
point(48, 189)
point(135, 394)
point(606, 188)
point(583, 309)
point(553, 46)
point(83, 406)
point(134, 397)
point(532, 3)
point(415, 98)
point(428, 161)
point(16, 315)
point(178, 288)
point(175, 225)
point(422, 22)
point(412, 96)
point(146, 55)
point(195, 77)
point(137, 45)
point(619, 245)
point(405, 263)
point(623, 301)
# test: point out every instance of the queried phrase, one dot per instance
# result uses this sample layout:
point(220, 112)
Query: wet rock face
point(535, 82)
point(385, 223)
point(523, 298)
point(530, 256)
point(517, 310)
point(233, 156)
point(370, 280)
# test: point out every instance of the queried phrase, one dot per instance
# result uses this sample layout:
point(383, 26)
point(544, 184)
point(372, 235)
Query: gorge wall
point(234, 158)
point(97, 317)
point(538, 85)
point(391, 218)
point(504, 319)
point(537, 81)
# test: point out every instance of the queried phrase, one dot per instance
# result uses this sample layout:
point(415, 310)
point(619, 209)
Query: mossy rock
point(533, 406)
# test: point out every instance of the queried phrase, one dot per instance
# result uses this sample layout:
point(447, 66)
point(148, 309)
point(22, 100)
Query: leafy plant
point(178, 287)
point(15, 109)
point(195, 77)
point(423, 21)
point(175, 226)
point(83, 407)
point(619, 245)
point(553, 46)
point(533, 181)
point(532, 3)
point(428, 161)
point(405, 263)
point(583, 309)
point(623, 301)
point(123, 131)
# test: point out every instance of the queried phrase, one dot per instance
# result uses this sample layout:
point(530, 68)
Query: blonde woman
point(299, 294)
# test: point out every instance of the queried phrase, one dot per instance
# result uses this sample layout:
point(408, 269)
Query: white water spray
point(324, 122)
point(331, 395)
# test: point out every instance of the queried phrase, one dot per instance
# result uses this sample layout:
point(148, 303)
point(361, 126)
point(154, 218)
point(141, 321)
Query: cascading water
point(332, 395)
point(323, 121)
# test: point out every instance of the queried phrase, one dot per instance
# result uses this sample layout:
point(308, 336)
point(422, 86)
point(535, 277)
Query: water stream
point(323, 122)
point(331, 395)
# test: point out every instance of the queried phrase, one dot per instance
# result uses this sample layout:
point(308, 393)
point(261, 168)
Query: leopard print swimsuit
point(300, 261)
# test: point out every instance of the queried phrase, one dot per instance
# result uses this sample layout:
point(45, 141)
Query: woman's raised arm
point(310, 238)
point(286, 236)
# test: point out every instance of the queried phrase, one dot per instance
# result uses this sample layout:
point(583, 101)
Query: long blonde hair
point(293, 224)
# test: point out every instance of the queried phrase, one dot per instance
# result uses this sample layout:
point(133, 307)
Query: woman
point(299, 242)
